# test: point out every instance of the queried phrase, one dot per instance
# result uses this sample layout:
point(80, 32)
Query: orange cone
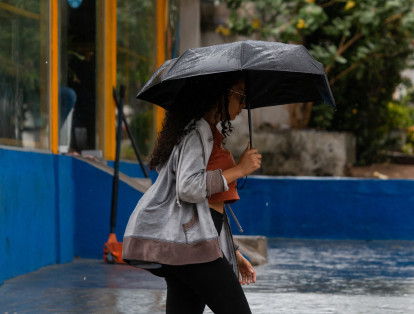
point(113, 250)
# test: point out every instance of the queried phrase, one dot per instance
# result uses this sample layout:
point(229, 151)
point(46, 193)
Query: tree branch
point(354, 65)
point(341, 43)
point(343, 48)
point(343, 73)
point(328, 4)
point(393, 18)
point(350, 42)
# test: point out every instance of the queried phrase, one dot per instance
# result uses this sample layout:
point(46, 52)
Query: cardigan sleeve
point(216, 182)
point(194, 182)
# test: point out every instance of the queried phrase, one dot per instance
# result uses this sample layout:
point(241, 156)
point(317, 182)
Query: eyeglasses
point(242, 96)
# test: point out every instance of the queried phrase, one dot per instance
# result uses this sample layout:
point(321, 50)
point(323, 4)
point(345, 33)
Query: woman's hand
point(249, 161)
point(247, 272)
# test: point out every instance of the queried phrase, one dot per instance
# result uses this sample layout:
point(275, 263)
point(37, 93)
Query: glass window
point(24, 73)
point(136, 53)
point(77, 76)
point(172, 30)
point(136, 60)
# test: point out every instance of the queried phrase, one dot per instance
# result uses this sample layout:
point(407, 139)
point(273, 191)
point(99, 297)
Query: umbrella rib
point(169, 70)
point(177, 61)
point(318, 65)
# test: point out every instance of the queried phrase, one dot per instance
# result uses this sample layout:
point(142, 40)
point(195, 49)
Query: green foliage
point(408, 148)
point(20, 47)
point(364, 46)
point(135, 63)
point(399, 116)
point(23, 69)
point(135, 45)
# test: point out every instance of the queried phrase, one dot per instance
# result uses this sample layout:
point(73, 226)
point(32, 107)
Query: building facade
point(60, 61)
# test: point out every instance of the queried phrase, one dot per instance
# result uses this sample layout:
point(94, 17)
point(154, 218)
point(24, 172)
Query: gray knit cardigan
point(171, 223)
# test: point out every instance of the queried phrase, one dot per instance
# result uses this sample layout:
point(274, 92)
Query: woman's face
point(237, 99)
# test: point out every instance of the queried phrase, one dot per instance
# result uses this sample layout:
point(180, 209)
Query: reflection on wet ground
point(303, 276)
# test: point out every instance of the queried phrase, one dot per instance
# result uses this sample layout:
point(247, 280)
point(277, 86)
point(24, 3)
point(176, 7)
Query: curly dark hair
point(197, 97)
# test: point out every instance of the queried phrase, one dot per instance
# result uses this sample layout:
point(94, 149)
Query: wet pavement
point(302, 276)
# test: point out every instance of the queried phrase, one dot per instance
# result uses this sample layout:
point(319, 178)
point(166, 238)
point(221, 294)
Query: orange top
point(221, 158)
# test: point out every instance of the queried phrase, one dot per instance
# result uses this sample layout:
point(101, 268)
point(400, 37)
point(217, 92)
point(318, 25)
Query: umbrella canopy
point(275, 73)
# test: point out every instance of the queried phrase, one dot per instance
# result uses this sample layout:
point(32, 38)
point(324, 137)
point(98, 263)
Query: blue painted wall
point(36, 216)
point(93, 207)
point(64, 206)
point(327, 208)
point(54, 207)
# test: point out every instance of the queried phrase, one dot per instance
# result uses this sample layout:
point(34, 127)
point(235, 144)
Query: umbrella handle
point(239, 187)
point(249, 117)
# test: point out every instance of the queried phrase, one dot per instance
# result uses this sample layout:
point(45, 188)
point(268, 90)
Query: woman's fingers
point(244, 276)
point(248, 278)
point(250, 160)
point(253, 151)
point(254, 276)
point(251, 275)
point(256, 160)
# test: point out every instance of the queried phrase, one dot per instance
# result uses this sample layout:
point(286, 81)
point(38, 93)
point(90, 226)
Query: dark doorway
point(80, 71)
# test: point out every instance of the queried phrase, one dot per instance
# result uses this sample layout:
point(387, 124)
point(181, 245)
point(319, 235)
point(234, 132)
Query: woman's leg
point(181, 299)
point(214, 283)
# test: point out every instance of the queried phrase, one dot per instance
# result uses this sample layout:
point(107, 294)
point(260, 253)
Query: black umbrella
point(275, 74)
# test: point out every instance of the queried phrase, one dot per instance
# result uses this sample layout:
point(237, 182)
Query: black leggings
point(191, 287)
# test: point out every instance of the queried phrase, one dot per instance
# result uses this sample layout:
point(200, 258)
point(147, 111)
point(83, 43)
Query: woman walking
point(179, 229)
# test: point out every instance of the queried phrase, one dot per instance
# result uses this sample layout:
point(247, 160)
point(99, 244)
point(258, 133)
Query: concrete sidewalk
point(302, 276)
